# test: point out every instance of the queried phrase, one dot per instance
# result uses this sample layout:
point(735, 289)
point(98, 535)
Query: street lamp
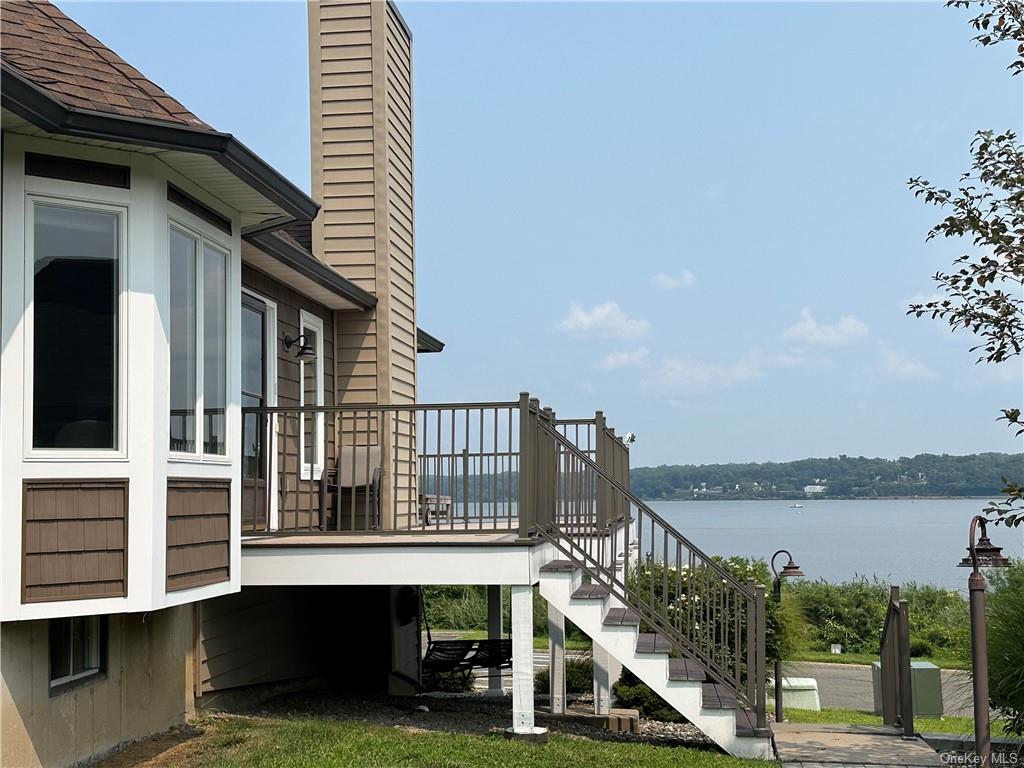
point(789, 570)
point(984, 554)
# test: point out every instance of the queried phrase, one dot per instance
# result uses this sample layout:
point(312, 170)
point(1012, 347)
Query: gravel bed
point(458, 713)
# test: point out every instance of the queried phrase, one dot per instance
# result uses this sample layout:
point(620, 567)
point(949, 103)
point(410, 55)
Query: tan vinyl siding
point(74, 542)
point(198, 532)
point(362, 147)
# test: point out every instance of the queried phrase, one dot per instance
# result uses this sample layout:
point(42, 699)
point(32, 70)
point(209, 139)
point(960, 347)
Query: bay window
point(198, 286)
point(76, 286)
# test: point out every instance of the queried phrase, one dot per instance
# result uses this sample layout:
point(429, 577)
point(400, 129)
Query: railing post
point(760, 665)
point(751, 641)
point(906, 685)
point(889, 663)
point(525, 497)
point(601, 459)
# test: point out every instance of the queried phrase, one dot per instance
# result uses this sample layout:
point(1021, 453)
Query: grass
point(327, 743)
point(540, 642)
point(960, 726)
point(943, 662)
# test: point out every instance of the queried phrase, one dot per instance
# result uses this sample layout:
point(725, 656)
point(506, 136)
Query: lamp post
point(789, 570)
point(982, 554)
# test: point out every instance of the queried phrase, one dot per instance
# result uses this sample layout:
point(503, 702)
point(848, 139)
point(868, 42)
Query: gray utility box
point(925, 685)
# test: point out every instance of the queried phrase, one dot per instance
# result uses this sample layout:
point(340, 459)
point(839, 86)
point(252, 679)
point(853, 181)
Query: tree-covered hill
point(979, 474)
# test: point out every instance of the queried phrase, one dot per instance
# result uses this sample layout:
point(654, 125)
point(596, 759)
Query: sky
point(692, 216)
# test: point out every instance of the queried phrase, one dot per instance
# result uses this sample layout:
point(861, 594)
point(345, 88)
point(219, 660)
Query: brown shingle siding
point(198, 532)
point(56, 54)
point(74, 539)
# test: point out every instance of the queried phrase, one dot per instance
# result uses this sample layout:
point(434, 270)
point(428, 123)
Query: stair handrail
point(749, 599)
point(894, 657)
point(601, 472)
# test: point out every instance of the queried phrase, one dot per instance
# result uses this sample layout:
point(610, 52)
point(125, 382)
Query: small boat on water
point(796, 506)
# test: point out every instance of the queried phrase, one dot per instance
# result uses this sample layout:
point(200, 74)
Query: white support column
point(556, 664)
point(602, 681)
point(495, 631)
point(522, 665)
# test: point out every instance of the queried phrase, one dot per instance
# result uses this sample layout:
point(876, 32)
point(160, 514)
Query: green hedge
point(579, 677)
point(1005, 646)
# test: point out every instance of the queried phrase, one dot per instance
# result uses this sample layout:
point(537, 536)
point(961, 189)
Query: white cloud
point(629, 359)
point(899, 366)
point(665, 282)
point(686, 376)
point(809, 331)
point(606, 321)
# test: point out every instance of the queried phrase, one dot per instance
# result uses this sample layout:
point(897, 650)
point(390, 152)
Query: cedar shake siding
point(198, 532)
point(298, 499)
point(74, 542)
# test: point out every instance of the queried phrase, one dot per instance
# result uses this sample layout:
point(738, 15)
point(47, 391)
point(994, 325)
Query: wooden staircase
point(683, 682)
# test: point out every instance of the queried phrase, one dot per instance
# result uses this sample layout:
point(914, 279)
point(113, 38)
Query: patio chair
point(358, 469)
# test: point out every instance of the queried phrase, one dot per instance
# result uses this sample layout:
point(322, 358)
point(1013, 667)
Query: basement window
point(78, 651)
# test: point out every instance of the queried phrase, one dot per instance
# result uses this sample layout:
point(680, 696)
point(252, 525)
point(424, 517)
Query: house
point(815, 490)
point(215, 472)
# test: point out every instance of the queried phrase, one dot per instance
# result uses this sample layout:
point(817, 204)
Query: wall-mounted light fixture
point(305, 349)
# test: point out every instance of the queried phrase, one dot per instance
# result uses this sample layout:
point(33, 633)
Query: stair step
point(686, 670)
point(590, 592)
point(621, 617)
point(558, 566)
point(746, 722)
point(717, 696)
point(652, 642)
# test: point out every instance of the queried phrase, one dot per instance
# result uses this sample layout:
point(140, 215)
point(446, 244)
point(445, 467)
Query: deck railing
point(418, 468)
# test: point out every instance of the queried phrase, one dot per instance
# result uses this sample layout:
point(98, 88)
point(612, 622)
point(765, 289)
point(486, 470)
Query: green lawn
point(960, 726)
point(943, 662)
point(540, 642)
point(325, 743)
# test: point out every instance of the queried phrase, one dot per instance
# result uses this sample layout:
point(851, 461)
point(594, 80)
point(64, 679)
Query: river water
point(899, 541)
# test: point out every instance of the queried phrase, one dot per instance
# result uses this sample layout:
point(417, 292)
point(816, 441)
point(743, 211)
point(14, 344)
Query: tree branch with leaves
point(984, 291)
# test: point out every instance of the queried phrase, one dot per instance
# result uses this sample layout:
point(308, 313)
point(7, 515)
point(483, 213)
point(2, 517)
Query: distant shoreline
point(802, 499)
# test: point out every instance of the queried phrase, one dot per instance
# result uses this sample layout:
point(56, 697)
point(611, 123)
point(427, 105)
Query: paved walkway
point(848, 686)
point(850, 746)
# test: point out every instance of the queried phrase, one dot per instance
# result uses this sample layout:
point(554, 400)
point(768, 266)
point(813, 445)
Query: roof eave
point(297, 259)
point(39, 108)
point(427, 343)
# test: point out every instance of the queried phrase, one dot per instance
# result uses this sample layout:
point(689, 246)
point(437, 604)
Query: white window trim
point(270, 355)
point(203, 237)
point(314, 323)
point(119, 453)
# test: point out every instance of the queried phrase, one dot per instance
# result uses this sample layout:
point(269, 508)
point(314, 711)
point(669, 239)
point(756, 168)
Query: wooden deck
point(417, 538)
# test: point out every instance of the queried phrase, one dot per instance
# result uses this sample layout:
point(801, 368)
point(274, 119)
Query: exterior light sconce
point(305, 349)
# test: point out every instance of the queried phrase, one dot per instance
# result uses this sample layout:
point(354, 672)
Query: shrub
point(446, 682)
point(1005, 649)
point(579, 677)
point(631, 693)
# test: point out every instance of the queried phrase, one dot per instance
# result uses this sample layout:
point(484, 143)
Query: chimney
point(360, 85)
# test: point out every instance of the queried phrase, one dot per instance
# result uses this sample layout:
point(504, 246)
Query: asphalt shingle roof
point(54, 53)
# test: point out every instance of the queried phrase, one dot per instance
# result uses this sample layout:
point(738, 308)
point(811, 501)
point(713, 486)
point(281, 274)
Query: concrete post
point(556, 664)
point(602, 681)
point(495, 631)
point(522, 665)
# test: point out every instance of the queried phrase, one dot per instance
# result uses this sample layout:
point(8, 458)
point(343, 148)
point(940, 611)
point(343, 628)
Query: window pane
point(60, 648)
point(75, 290)
point(85, 644)
point(215, 363)
point(310, 372)
point(183, 341)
